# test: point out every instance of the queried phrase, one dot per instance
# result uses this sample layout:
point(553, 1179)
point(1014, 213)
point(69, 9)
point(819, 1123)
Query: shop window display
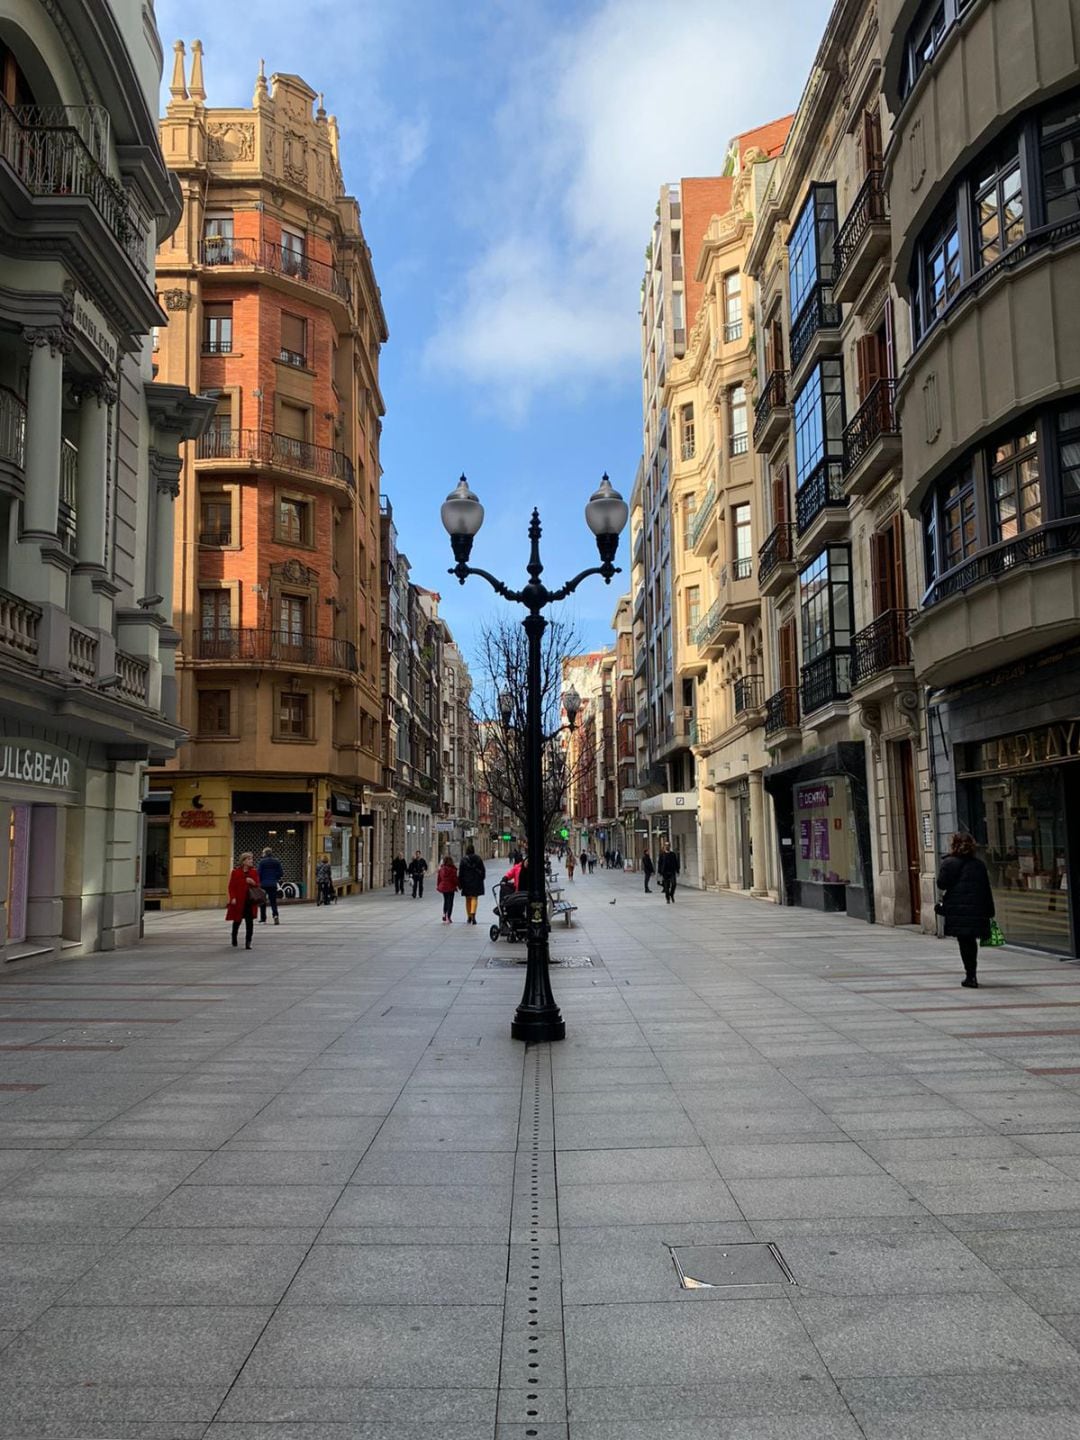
point(826, 846)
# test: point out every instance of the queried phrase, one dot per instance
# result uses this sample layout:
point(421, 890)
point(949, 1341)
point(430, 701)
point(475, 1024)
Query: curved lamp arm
point(607, 570)
point(463, 571)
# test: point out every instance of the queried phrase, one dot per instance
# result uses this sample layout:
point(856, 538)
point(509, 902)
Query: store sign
point(37, 765)
point(90, 322)
point(813, 799)
point(1048, 745)
point(197, 820)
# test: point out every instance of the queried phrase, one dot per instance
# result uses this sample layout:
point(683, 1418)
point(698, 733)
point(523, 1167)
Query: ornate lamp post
point(537, 1017)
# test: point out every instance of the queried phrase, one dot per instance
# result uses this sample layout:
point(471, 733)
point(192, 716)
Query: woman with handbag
point(245, 897)
point(967, 903)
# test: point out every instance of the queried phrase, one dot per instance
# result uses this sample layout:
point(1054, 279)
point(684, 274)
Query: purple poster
point(804, 839)
point(821, 839)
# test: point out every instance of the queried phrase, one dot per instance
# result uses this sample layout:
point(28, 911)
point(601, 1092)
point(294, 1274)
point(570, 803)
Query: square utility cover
point(714, 1267)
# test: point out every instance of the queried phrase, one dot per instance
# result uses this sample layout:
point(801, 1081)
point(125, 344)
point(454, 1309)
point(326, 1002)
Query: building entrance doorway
point(912, 860)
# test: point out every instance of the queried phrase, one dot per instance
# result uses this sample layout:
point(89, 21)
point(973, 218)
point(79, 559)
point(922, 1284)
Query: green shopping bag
point(995, 938)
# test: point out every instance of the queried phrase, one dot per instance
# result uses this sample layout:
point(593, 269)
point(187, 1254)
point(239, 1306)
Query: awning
point(670, 800)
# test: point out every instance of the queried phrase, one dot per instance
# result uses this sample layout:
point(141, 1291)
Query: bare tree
point(502, 670)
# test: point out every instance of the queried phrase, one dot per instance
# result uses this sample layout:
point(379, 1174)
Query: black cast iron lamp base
point(537, 1019)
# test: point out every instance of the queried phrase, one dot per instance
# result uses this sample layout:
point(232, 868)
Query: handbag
point(257, 894)
point(995, 938)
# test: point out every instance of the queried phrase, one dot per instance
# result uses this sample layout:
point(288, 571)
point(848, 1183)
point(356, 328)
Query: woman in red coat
point(446, 882)
point(243, 882)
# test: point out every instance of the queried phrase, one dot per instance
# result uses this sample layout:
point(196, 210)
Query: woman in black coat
point(471, 876)
point(967, 903)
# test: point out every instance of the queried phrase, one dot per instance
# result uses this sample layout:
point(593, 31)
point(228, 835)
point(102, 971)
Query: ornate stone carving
point(931, 408)
point(917, 154)
point(55, 336)
point(178, 299)
point(296, 573)
point(165, 470)
point(870, 720)
point(268, 147)
point(99, 388)
point(294, 157)
point(230, 140)
point(907, 709)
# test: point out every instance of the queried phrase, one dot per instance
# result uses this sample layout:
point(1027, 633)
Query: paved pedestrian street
point(316, 1191)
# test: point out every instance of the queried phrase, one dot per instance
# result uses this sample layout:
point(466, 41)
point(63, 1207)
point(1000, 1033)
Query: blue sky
point(507, 156)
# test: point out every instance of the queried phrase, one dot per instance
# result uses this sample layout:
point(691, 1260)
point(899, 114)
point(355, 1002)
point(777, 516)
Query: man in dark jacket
point(417, 869)
point(271, 874)
point(399, 869)
point(647, 868)
point(471, 876)
point(667, 867)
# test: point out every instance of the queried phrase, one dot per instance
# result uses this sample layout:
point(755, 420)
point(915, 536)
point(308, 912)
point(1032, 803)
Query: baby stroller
point(511, 912)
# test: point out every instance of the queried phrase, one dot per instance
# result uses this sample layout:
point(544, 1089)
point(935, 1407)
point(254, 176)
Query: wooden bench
point(565, 909)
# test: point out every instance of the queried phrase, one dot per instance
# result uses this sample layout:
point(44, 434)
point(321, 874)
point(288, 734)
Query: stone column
point(44, 583)
point(165, 469)
point(723, 865)
point(759, 858)
point(90, 592)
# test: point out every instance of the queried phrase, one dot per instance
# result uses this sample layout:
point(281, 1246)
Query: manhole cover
point(715, 1267)
point(499, 962)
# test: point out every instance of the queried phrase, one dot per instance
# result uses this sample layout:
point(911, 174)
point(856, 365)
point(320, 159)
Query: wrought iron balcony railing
point(870, 207)
point(702, 516)
point(782, 710)
point(1060, 537)
point(749, 693)
point(883, 645)
point(779, 549)
point(826, 679)
point(51, 157)
point(283, 647)
point(875, 417)
point(12, 427)
point(270, 448)
point(709, 626)
point(819, 312)
point(773, 397)
point(823, 488)
point(218, 250)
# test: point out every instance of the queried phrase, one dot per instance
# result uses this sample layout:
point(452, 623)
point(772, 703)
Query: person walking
point(667, 867)
point(967, 903)
point(570, 867)
point(471, 877)
point(584, 862)
point(324, 883)
point(417, 871)
point(446, 882)
point(271, 873)
point(647, 868)
point(244, 892)
point(399, 869)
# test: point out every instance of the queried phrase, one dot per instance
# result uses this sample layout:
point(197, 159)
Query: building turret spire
point(195, 88)
point(178, 88)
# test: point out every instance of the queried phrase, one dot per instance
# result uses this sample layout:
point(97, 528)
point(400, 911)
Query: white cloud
point(590, 128)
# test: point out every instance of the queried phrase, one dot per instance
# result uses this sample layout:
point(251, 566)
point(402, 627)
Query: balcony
point(215, 539)
point(772, 411)
point(225, 252)
point(638, 553)
point(881, 654)
point(1000, 606)
point(12, 429)
point(863, 239)
point(732, 331)
point(782, 716)
point(872, 443)
point(275, 647)
point(639, 601)
point(699, 730)
point(776, 560)
point(265, 447)
point(52, 159)
point(821, 505)
point(740, 599)
point(826, 681)
point(815, 332)
point(714, 631)
point(82, 654)
point(749, 698)
point(702, 536)
point(133, 678)
point(18, 628)
point(642, 718)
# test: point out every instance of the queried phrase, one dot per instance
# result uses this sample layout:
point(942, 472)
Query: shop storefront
point(823, 827)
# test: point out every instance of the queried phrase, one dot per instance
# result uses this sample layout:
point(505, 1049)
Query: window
point(740, 435)
point(743, 558)
point(293, 339)
point(933, 21)
point(1059, 157)
point(294, 716)
point(1015, 488)
point(819, 420)
point(693, 610)
point(733, 306)
point(690, 507)
point(218, 240)
point(678, 316)
point(215, 624)
point(215, 519)
point(810, 247)
point(293, 613)
point(294, 520)
point(999, 206)
point(215, 712)
point(1068, 433)
point(940, 278)
point(293, 252)
point(686, 429)
point(959, 535)
point(217, 329)
point(825, 603)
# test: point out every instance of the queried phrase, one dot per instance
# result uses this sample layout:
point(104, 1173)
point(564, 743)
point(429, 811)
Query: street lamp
point(537, 1017)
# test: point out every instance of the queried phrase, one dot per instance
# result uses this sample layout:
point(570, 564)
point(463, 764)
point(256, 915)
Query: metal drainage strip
point(532, 1371)
point(743, 1264)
